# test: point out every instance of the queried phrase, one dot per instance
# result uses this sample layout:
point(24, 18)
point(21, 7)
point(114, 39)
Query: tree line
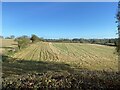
point(110, 42)
point(24, 41)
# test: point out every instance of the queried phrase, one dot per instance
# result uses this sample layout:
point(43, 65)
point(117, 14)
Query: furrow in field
point(27, 55)
point(102, 51)
point(97, 54)
point(35, 55)
point(86, 52)
point(18, 54)
point(99, 61)
point(67, 54)
point(80, 55)
point(77, 52)
point(53, 50)
point(40, 58)
point(88, 56)
point(24, 52)
point(42, 52)
point(45, 57)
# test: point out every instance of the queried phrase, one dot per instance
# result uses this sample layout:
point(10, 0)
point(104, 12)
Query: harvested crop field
point(77, 55)
point(8, 43)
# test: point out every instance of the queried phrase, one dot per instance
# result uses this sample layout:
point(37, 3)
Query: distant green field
point(87, 56)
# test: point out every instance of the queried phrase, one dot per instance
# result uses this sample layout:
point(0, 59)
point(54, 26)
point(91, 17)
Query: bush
point(23, 42)
point(35, 38)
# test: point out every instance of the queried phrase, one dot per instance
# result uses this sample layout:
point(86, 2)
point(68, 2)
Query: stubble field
point(46, 65)
point(87, 56)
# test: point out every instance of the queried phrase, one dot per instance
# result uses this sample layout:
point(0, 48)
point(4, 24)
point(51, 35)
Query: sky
point(60, 19)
